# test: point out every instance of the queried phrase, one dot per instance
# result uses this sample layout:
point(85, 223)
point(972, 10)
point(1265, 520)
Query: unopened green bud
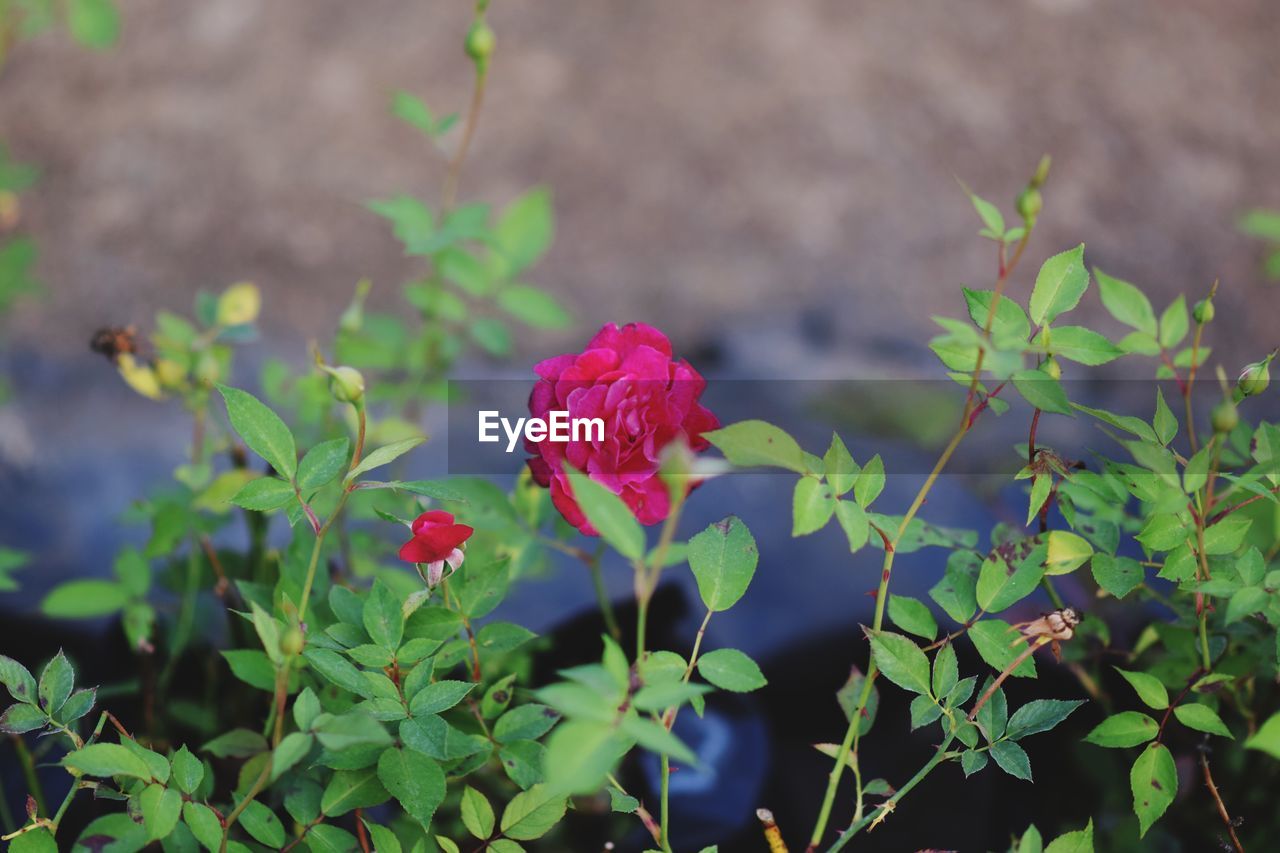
point(1052, 367)
point(1224, 417)
point(1042, 172)
point(1255, 378)
point(1030, 203)
point(345, 384)
point(1203, 312)
point(480, 42)
point(291, 642)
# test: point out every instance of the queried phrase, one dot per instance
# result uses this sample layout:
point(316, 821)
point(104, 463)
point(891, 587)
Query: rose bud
point(346, 384)
point(1224, 417)
point(437, 541)
point(1203, 312)
point(1255, 378)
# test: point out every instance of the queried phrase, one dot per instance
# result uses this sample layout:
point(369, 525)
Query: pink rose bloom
point(628, 378)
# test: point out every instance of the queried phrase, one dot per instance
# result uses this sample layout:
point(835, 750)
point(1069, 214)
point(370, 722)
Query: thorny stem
point(888, 805)
point(665, 841)
point(281, 697)
point(1014, 664)
point(1217, 800)
point(1006, 267)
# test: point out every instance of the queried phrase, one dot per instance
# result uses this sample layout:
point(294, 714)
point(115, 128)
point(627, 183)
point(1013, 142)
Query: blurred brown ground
point(712, 164)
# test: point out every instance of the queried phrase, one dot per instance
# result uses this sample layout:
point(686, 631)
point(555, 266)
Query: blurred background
point(772, 184)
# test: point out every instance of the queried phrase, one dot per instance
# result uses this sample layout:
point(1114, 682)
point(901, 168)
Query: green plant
point(332, 682)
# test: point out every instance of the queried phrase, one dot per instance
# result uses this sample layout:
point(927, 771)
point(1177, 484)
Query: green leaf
point(1067, 552)
point(411, 110)
point(524, 722)
point(1154, 782)
point(1039, 715)
point(606, 512)
point(812, 506)
point(992, 638)
point(35, 841)
point(477, 814)
point(580, 753)
point(1042, 391)
point(383, 617)
point(730, 669)
point(187, 770)
point(204, 824)
point(622, 803)
point(870, 482)
point(990, 215)
point(838, 466)
point(1202, 718)
point(533, 307)
point(524, 230)
point(946, 671)
point(1010, 327)
point(1225, 536)
point(261, 429)
point(531, 813)
point(84, 599)
point(723, 559)
point(1174, 324)
point(901, 661)
point(853, 520)
point(1165, 422)
point(1267, 737)
point(1246, 602)
point(292, 749)
point(237, 743)
point(1012, 759)
point(1009, 575)
point(1041, 485)
point(20, 718)
point(1126, 303)
point(353, 789)
point(327, 838)
point(1083, 346)
point(383, 456)
point(971, 762)
point(440, 696)
point(263, 494)
point(956, 593)
point(1119, 576)
point(1079, 841)
point(107, 759)
point(1061, 282)
point(93, 23)
point(56, 682)
point(756, 443)
point(415, 780)
point(17, 680)
point(384, 840)
point(912, 616)
point(262, 823)
point(492, 336)
point(1148, 687)
point(322, 464)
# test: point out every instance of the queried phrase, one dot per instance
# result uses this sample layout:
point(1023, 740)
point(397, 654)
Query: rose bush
point(647, 399)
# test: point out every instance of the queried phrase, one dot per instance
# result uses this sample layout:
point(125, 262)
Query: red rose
point(627, 378)
point(436, 542)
